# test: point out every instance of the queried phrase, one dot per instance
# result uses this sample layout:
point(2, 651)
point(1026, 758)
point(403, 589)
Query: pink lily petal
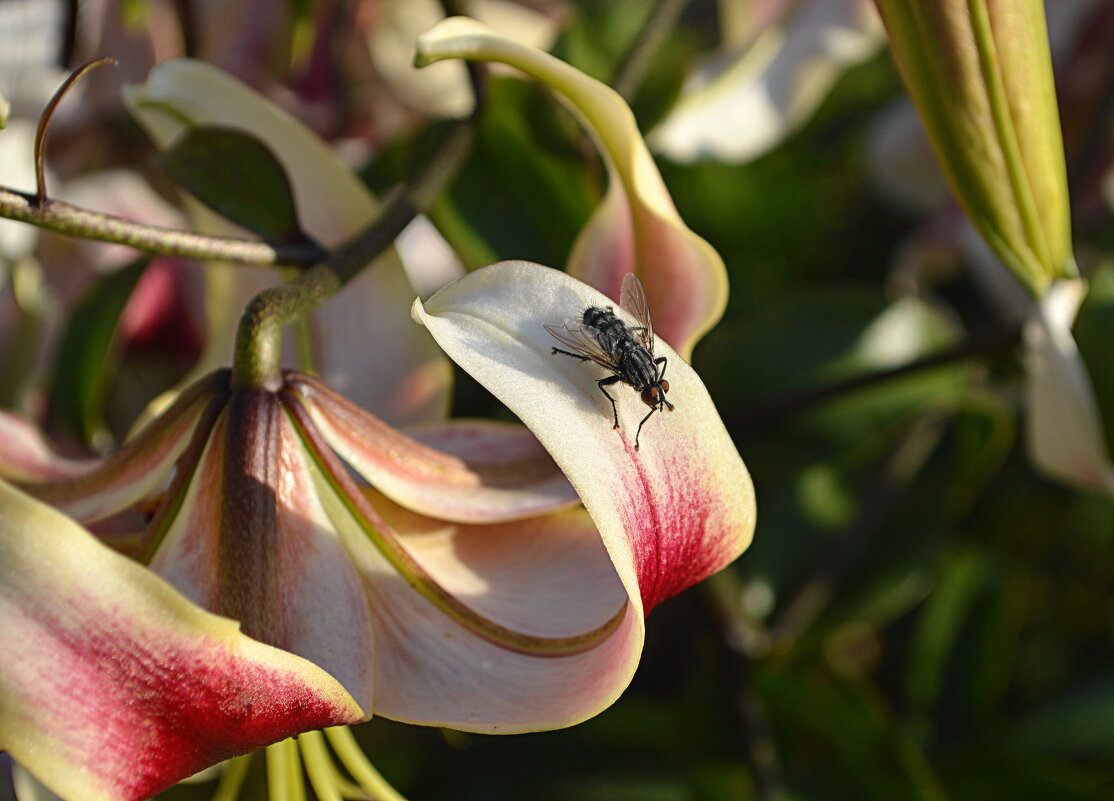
point(546, 577)
point(252, 542)
point(465, 471)
point(26, 456)
point(139, 469)
point(671, 513)
point(405, 383)
point(114, 687)
point(636, 228)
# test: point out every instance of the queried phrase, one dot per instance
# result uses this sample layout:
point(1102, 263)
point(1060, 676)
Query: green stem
point(65, 218)
point(256, 362)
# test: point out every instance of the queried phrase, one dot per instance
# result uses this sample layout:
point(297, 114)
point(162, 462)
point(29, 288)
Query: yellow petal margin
point(637, 228)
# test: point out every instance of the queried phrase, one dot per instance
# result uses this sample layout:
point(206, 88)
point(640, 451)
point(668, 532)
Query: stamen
point(284, 775)
point(357, 764)
point(322, 772)
point(232, 776)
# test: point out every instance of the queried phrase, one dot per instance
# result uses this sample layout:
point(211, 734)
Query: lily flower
point(442, 577)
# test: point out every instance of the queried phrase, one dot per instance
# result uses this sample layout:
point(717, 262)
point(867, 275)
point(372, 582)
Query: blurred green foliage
point(921, 616)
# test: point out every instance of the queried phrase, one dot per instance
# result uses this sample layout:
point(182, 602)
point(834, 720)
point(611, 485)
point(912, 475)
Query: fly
point(628, 352)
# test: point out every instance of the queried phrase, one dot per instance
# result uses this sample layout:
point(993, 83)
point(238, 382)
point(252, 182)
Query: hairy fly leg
point(604, 382)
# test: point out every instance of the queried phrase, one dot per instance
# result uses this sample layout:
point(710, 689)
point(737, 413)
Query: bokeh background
point(922, 615)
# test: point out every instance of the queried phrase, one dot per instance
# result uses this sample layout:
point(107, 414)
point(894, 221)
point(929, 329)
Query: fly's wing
point(579, 339)
point(632, 297)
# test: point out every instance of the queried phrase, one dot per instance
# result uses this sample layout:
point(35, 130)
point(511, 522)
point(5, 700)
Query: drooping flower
point(459, 586)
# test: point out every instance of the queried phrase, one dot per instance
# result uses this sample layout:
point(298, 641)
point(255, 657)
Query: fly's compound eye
point(664, 385)
point(652, 396)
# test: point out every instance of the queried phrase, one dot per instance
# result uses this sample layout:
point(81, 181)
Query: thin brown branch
point(65, 218)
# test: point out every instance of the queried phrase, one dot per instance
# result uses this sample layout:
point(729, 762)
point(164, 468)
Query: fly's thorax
point(595, 317)
point(608, 330)
point(637, 365)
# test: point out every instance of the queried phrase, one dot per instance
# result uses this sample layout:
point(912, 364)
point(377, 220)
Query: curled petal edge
point(670, 513)
point(637, 227)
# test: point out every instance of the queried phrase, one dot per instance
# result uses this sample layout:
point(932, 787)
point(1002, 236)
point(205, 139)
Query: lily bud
point(980, 75)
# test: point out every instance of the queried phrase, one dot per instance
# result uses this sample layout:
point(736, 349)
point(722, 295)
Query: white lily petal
point(1064, 427)
point(405, 383)
point(735, 109)
point(671, 513)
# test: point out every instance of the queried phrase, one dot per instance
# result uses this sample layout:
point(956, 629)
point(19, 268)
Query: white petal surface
point(636, 228)
point(544, 577)
point(284, 575)
point(1064, 427)
point(468, 471)
point(736, 109)
point(405, 383)
point(671, 513)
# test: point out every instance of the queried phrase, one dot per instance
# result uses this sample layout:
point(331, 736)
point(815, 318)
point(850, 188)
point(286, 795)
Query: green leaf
point(1079, 722)
point(837, 741)
point(961, 583)
point(987, 776)
point(87, 356)
point(525, 191)
point(1094, 331)
point(237, 176)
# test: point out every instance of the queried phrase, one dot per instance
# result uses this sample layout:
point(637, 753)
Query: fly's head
point(654, 396)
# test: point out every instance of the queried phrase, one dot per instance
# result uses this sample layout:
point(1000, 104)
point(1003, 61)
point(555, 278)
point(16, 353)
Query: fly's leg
point(604, 382)
point(644, 419)
point(574, 355)
point(664, 363)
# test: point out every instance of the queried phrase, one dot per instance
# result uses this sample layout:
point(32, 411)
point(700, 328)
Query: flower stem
point(65, 218)
point(259, 338)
